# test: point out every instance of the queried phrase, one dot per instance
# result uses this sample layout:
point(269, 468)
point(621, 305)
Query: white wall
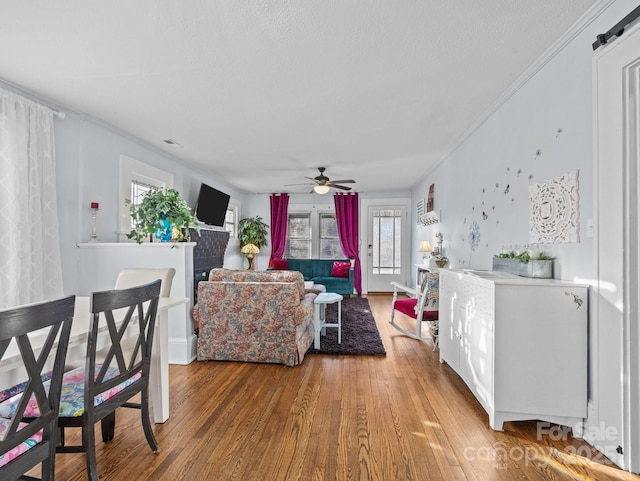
point(471, 182)
point(88, 159)
point(502, 149)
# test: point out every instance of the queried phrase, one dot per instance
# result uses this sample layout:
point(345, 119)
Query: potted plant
point(162, 213)
point(252, 231)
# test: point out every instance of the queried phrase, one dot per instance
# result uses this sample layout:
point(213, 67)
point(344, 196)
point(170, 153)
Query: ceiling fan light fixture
point(321, 189)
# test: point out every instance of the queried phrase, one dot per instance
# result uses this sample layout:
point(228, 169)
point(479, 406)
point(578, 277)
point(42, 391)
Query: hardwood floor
point(400, 417)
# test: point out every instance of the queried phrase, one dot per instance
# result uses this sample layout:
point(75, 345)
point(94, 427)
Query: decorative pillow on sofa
point(279, 264)
point(341, 269)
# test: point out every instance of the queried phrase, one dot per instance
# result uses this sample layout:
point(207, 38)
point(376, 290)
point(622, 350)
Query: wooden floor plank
point(400, 417)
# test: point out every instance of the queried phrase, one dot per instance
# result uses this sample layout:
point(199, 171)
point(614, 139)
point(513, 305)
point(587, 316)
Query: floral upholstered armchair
point(254, 316)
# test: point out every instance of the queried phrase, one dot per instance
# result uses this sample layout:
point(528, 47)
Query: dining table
point(12, 369)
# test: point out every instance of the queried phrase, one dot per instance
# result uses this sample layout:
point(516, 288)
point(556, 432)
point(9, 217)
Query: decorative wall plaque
point(553, 210)
point(420, 209)
point(430, 198)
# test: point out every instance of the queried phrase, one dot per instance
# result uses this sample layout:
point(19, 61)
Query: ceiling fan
point(323, 184)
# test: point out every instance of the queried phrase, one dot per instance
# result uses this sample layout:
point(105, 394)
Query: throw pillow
point(341, 269)
point(279, 264)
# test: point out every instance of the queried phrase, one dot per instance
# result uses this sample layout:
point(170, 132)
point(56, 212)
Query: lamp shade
point(250, 249)
point(425, 246)
point(321, 189)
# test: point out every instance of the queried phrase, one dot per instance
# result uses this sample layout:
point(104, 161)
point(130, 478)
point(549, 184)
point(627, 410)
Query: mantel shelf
point(134, 244)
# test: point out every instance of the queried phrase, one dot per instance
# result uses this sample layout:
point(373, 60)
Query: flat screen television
point(211, 208)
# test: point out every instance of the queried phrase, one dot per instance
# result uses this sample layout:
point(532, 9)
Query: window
point(231, 220)
point(329, 240)
point(298, 236)
point(386, 249)
point(137, 178)
point(312, 234)
point(138, 191)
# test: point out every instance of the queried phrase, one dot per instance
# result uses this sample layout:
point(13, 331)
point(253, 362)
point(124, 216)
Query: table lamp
point(425, 247)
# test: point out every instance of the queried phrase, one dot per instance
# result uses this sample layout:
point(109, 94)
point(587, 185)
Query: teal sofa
point(319, 271)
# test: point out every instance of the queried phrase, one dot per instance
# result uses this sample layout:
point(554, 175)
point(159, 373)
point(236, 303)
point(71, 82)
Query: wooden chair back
point(118, 310)
point(52, 320)
point(113, 375)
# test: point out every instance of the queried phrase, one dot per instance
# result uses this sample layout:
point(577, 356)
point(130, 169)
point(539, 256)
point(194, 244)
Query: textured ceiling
point(260, 93)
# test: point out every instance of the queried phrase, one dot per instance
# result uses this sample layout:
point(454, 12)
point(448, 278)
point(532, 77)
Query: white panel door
point(615, 331)
point(386, 246)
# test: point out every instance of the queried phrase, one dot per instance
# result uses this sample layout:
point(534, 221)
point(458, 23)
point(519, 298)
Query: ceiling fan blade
point(348, 181)
point(341, 187)
point(311, 178)
point(306, 183)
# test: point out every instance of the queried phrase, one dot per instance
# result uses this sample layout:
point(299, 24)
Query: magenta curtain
point(279, 210)
point(347, 208)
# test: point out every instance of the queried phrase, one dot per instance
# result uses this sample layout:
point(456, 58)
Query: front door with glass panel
point(386, 249)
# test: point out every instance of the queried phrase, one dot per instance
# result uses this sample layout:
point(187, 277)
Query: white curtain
point(30, 266)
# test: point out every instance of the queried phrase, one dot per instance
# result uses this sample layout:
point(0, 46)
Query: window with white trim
point(231, 219)
point(137, 178)
point(312, 234)
point(329, 239)
point(298, 244)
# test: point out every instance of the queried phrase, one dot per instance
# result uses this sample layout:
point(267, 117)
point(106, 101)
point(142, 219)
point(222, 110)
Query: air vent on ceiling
point(172, 143)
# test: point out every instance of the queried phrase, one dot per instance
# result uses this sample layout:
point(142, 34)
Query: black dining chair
point(131, 277)
point(93, 392)
point(29, 410)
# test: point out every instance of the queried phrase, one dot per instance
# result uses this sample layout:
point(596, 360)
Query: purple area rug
point(360, 336)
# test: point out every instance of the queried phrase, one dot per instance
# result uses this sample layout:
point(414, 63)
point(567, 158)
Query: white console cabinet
point(519, 344)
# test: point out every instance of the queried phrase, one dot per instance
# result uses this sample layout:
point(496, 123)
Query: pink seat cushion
point(18, 388)
point(408, 308)
point(20, 448)
point(72, 397)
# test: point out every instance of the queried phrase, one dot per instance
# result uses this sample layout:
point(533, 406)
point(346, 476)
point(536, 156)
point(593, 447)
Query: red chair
point(422, 306)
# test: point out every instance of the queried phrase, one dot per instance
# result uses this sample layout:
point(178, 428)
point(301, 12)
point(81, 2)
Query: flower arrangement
point(441, 260)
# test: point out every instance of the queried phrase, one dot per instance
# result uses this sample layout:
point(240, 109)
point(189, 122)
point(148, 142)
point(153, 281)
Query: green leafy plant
point(252, 230)
point(524, 257)
point(156, 207)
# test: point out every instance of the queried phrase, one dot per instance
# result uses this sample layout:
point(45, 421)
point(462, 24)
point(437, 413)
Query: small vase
point(164, 232)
